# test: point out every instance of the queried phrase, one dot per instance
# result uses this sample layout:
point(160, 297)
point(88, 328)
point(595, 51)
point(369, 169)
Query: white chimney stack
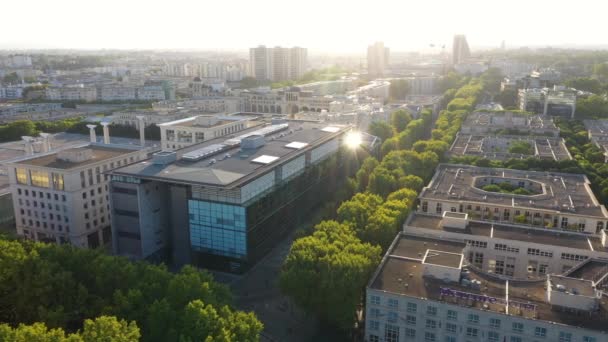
point(46, 143)
point(92, 134)
point(106, 132)
point(142, 130)
point(29, 148)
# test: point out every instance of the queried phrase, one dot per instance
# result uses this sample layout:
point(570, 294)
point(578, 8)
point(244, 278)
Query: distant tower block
point(142, 130)
point(106, 132)
point(92, 134)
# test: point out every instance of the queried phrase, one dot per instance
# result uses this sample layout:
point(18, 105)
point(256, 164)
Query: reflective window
point(21, 176)
point(40, 178)
point(218, 228)
point(57, 181)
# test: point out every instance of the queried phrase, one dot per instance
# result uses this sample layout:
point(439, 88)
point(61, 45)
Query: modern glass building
point(226, 202)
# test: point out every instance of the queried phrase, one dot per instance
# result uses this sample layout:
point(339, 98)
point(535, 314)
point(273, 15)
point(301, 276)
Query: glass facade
point(218, 228)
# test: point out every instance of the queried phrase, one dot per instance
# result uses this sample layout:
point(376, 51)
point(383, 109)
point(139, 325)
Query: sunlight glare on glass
point(352, 139)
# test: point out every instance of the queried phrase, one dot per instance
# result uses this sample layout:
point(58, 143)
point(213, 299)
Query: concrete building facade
point(63, 196)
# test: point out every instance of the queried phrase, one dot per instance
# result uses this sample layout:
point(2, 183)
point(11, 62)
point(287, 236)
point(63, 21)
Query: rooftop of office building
point(545, 236)
point(498, 147)
point(558, 192)
point(204, 121)
point(75, 157)
point(510, 120)
point(227, 161)
point(404, 273)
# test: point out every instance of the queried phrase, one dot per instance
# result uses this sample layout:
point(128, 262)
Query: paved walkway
point(258, 291)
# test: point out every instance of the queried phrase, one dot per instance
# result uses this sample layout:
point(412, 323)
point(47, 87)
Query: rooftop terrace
point(497, 147)
point(559, 192)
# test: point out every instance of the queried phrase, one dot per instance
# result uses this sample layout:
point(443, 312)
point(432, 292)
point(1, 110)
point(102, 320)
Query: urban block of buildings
point(507, 122)
point(149, 91)
point(554, 200)
point(498, 147)
point(475, 265)
point(225, 202)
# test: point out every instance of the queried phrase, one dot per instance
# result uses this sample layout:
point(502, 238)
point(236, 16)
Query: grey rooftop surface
point(563, 192)
point(545, 236)
point(99, 153)
point(225, 171)
point(400, 274)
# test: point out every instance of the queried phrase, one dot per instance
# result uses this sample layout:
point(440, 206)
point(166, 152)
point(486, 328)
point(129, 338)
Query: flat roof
point(100, 153)
point(239, 167)
point(402, 275)
point(562, 192)
point(550, 237)
point(513, 120)
point(496, 147)
point(192, 121)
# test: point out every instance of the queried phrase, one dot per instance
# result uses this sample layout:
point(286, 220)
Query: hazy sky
point(329, 25)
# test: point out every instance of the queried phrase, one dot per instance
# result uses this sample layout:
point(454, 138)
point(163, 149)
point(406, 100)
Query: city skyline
point(347, 28)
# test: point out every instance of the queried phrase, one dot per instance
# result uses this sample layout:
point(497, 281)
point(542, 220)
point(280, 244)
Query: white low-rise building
point(197, 129)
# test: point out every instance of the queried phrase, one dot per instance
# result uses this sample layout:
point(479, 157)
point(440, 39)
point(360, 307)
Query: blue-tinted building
point(226, 202)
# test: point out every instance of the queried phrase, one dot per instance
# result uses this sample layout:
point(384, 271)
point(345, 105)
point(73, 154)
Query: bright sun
point(352, 139)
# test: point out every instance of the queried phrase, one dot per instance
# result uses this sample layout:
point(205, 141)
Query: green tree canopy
point(381, 129)
point(101, 329)
point(63, 286)
point(585, 84)
point(326, 272)
point(399, 119)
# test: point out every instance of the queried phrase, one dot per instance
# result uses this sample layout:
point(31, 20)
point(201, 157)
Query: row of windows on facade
point(43, 224)
point(48, 206)
point(530, 251)
point(507, 268)
point(392, 334)
point(41, 194)
point(184, 136)
point(451, 315)
point(507, 248)
point(506, 216)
